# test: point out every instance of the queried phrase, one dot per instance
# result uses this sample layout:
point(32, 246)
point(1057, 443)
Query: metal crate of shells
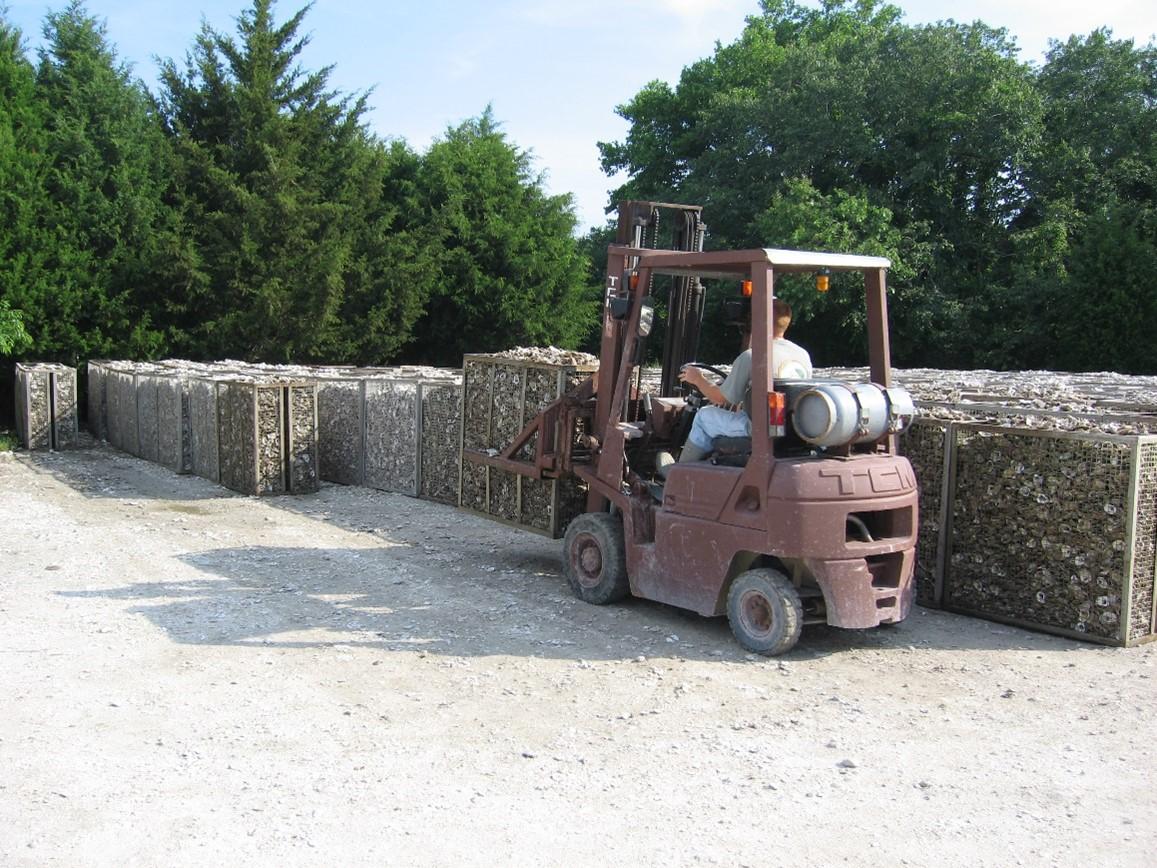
point(163, 420)
point(500, 395)
point(121, 397)
point(341, 429)
point(267, 436)
point(441, 429)
point(392, 419)
point(395, 433)
point(924, 445)
point(1051, 530)
point(46, 415)
point(204, 448)
point(97, 401)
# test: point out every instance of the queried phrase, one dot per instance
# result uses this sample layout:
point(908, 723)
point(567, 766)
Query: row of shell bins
point(267, 436)
point(46, 406)
point(163, 419)
point(499, 397)
point(1052, 530)
point(141, 410)
point(254, 435)
point(391, 433)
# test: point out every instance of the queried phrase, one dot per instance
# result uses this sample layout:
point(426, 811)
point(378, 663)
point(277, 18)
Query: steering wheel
point(694, 399)
point(691, 390)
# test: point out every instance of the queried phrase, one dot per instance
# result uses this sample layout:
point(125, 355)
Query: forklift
point(812, 519)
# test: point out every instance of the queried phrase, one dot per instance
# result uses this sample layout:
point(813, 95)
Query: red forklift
point(812, 519)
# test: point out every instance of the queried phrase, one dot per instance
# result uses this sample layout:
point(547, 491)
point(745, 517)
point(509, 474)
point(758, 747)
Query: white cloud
point(642, 18)
point(694, 12)
point(1034, 22)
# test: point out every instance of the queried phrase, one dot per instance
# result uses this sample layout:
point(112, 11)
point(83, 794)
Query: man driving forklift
point(792, 362)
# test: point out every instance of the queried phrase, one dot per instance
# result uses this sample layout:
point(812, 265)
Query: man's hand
point(693, 376)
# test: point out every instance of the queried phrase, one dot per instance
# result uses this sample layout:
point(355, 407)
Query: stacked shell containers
point(46, 412)
point(500, 396)
point(261, 429)
point(254, 433)
point(1041, 510)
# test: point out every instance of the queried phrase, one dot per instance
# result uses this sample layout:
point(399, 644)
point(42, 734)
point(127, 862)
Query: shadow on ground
point(432, 576)
point(98, 470)
point(393, 598)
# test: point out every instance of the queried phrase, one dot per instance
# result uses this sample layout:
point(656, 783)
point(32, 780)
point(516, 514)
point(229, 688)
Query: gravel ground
point(194, 677)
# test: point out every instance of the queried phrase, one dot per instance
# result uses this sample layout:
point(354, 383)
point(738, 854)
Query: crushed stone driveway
point(193, 677)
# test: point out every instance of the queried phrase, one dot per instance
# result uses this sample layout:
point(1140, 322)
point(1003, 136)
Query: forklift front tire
point(596, 558)
point(765, 612)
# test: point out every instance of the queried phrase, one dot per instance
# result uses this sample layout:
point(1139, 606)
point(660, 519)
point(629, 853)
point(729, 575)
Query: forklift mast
point(639, 228)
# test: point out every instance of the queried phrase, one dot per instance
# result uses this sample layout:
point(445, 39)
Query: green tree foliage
point(1100, 142)
point(1095, 180)
point(508, 268)
point(13, 336)
point(907, 139)
point(22, 167)
point(247, 211)
point(833, 324)
point(102, 219)
point(593, 248)
point(282, 193)
point(1105, 313)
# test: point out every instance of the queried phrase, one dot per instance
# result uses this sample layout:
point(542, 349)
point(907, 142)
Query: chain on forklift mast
point(812, 519)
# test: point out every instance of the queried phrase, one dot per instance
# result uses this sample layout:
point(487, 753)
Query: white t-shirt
point(789, 361)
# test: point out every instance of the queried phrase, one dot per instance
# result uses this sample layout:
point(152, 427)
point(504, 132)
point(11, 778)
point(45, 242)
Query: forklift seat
point(731, 451)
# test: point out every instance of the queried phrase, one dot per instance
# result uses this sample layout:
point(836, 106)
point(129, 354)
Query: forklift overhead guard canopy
point(735, 263)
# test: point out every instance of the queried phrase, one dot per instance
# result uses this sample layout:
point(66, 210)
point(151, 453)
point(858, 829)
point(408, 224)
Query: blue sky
point(553, 70)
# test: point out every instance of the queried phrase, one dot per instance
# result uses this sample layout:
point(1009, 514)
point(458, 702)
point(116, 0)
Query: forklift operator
point(791, 361)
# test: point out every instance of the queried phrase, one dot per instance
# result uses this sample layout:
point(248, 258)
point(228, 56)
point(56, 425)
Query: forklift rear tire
point(596, 558)
point(765, 612)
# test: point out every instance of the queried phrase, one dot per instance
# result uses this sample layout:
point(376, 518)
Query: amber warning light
point(823, 281)
point(747, 289)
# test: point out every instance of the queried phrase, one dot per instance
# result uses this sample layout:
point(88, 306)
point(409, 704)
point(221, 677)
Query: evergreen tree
point(104, 219)
point(22, 276)
point(392, 269)
point(280, 187)
point(509, 270)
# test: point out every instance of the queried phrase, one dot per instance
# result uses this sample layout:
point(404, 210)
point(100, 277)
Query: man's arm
point(697, 378)
point(732, 391)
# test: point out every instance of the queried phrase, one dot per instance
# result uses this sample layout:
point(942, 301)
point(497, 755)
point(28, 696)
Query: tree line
point(1018, 203)
point(245, 209)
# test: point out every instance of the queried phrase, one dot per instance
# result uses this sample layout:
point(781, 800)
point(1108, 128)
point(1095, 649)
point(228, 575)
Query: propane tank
point(833, 414)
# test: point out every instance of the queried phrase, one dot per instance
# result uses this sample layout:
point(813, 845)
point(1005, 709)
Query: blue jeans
point(712, 422)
